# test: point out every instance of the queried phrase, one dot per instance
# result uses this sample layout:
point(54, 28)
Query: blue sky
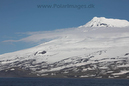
point(21, 18)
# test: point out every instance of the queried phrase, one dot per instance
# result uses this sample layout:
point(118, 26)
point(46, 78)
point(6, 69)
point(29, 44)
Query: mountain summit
point(105, 22)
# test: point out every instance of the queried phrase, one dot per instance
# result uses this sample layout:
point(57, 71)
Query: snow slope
point(80, 46)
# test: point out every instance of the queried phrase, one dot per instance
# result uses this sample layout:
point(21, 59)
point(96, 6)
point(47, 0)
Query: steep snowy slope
point(82, 52)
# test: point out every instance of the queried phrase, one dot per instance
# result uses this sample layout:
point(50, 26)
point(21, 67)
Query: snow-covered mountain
point(83, 52)
point(104, 22)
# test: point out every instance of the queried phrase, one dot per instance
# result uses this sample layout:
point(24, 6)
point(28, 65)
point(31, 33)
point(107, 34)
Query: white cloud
point(108, 36)
point(11, 41)
point(42, 35)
